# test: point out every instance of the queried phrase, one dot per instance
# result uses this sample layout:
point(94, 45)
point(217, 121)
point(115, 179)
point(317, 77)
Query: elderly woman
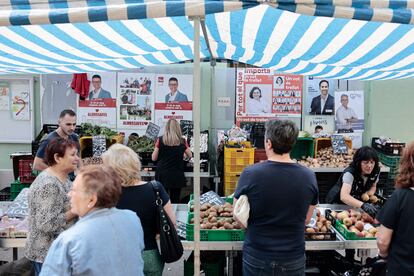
point(396, 218)
point(139, 196)
point(48, 201)
point(105, 240)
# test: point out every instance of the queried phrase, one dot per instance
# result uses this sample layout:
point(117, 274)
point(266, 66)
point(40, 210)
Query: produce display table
point(364, 246)
point(340, 170)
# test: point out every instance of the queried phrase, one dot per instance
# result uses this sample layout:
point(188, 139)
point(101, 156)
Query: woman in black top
point(360, 177)
point(169, 153)
point(395, 236)
point(139, 196)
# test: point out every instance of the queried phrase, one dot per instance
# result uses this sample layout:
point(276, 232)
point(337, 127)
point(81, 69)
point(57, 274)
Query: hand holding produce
point(370, 209)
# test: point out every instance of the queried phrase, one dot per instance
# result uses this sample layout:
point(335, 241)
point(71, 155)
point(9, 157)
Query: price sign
point(152, 131)
point(187, 127)
point(338, 144)
point(212, 198)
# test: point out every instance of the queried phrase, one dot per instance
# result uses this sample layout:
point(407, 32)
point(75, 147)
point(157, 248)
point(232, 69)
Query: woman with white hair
point(139, 197)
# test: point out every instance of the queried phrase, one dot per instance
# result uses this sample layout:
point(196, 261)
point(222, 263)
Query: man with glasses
point(66, 130)
point(175, 95)
point(98, 92)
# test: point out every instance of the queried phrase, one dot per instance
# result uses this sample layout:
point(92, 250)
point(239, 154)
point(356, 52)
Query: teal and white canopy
point(299, 37)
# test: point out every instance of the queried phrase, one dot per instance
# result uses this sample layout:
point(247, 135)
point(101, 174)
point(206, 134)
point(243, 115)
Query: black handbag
point(170, 244)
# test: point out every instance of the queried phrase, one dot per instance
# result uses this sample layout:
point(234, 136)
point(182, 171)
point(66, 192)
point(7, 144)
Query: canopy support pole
point(196, 135)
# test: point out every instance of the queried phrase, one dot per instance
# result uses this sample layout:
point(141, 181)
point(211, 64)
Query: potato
point(228, 209)
point(208, 225)
point(220, 223)
point(309, 230)
point(203, 226)
point(328, 225)
point(221, 228)
point(228, 226)
point(212, 219)
point(324, 229)
point(214, 228)
point(192, 221)
point(212, 214)
point(373, 199)
point(208, 205)
point(365, 197)
point(203, 207)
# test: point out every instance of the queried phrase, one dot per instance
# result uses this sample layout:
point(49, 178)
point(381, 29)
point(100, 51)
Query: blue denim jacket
point(103, 242)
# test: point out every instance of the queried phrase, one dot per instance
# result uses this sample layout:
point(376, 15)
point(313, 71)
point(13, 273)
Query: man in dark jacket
point(324, 103)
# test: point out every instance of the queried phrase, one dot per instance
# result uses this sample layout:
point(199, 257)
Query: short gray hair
point(282, 134)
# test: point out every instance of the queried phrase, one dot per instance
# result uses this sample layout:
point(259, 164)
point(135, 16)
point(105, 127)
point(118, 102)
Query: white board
point(17, 120)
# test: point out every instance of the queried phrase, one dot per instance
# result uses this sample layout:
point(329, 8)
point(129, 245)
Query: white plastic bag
point(242, 210)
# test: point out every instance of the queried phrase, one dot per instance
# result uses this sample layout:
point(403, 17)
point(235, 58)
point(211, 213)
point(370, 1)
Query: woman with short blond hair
point(169, 153)
point(139, 196)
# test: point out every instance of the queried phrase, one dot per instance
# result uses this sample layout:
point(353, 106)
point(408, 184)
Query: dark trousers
point(255, 266)
point(174, 194)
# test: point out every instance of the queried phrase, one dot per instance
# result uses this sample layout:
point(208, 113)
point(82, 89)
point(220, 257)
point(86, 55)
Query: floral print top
point(48, 203)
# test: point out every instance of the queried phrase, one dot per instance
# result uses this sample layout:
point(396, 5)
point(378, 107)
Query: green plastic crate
point(388, 160)
point(16, 186)
point(214, 235)
point(304, 147)
point(347, 234)
point(213, 269)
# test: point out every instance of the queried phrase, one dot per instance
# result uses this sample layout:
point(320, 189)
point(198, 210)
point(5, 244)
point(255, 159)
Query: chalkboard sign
point(338, 144)
point(98, 145)
point(152, 131)
point(212, 198)
point(187, 127)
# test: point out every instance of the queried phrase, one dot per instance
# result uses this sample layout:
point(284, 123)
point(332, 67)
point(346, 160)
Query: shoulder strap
point(156, 188)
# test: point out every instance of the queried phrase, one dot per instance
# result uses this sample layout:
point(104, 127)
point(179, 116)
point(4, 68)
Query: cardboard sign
point(187, 127)
point(212, 198)
point(152, 131)
point(338, 144)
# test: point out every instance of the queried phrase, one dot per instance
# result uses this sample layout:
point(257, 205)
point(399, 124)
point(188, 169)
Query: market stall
point(335, 62)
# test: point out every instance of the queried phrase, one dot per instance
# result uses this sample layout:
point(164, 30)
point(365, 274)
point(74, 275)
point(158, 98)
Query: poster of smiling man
point(349, 110)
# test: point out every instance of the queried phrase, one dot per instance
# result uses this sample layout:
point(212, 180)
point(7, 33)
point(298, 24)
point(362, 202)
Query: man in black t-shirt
point(66, 130)
point(282, 196)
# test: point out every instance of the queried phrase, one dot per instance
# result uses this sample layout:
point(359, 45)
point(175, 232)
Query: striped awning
point(396, 11)
point(32, 12)
point(317, 46)
point(37, 12)
point(96, 46)
point(261, 35)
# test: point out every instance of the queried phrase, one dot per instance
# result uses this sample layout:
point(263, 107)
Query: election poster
point(135, 100)
point(262, 94)
point(99, 106)
point(173, 97)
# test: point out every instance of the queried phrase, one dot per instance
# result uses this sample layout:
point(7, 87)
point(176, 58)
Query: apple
point(359, 225)
point(347, 221)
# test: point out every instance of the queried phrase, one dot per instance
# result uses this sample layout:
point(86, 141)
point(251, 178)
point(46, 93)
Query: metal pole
point(196, 134)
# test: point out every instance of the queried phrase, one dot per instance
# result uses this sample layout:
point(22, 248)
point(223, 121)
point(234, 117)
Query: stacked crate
point(235, 160)
point(393, 162)
point(25, 179)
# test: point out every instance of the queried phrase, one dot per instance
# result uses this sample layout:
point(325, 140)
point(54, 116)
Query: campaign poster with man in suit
point(173, 97)
point(320, 96)
point(99, 105)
